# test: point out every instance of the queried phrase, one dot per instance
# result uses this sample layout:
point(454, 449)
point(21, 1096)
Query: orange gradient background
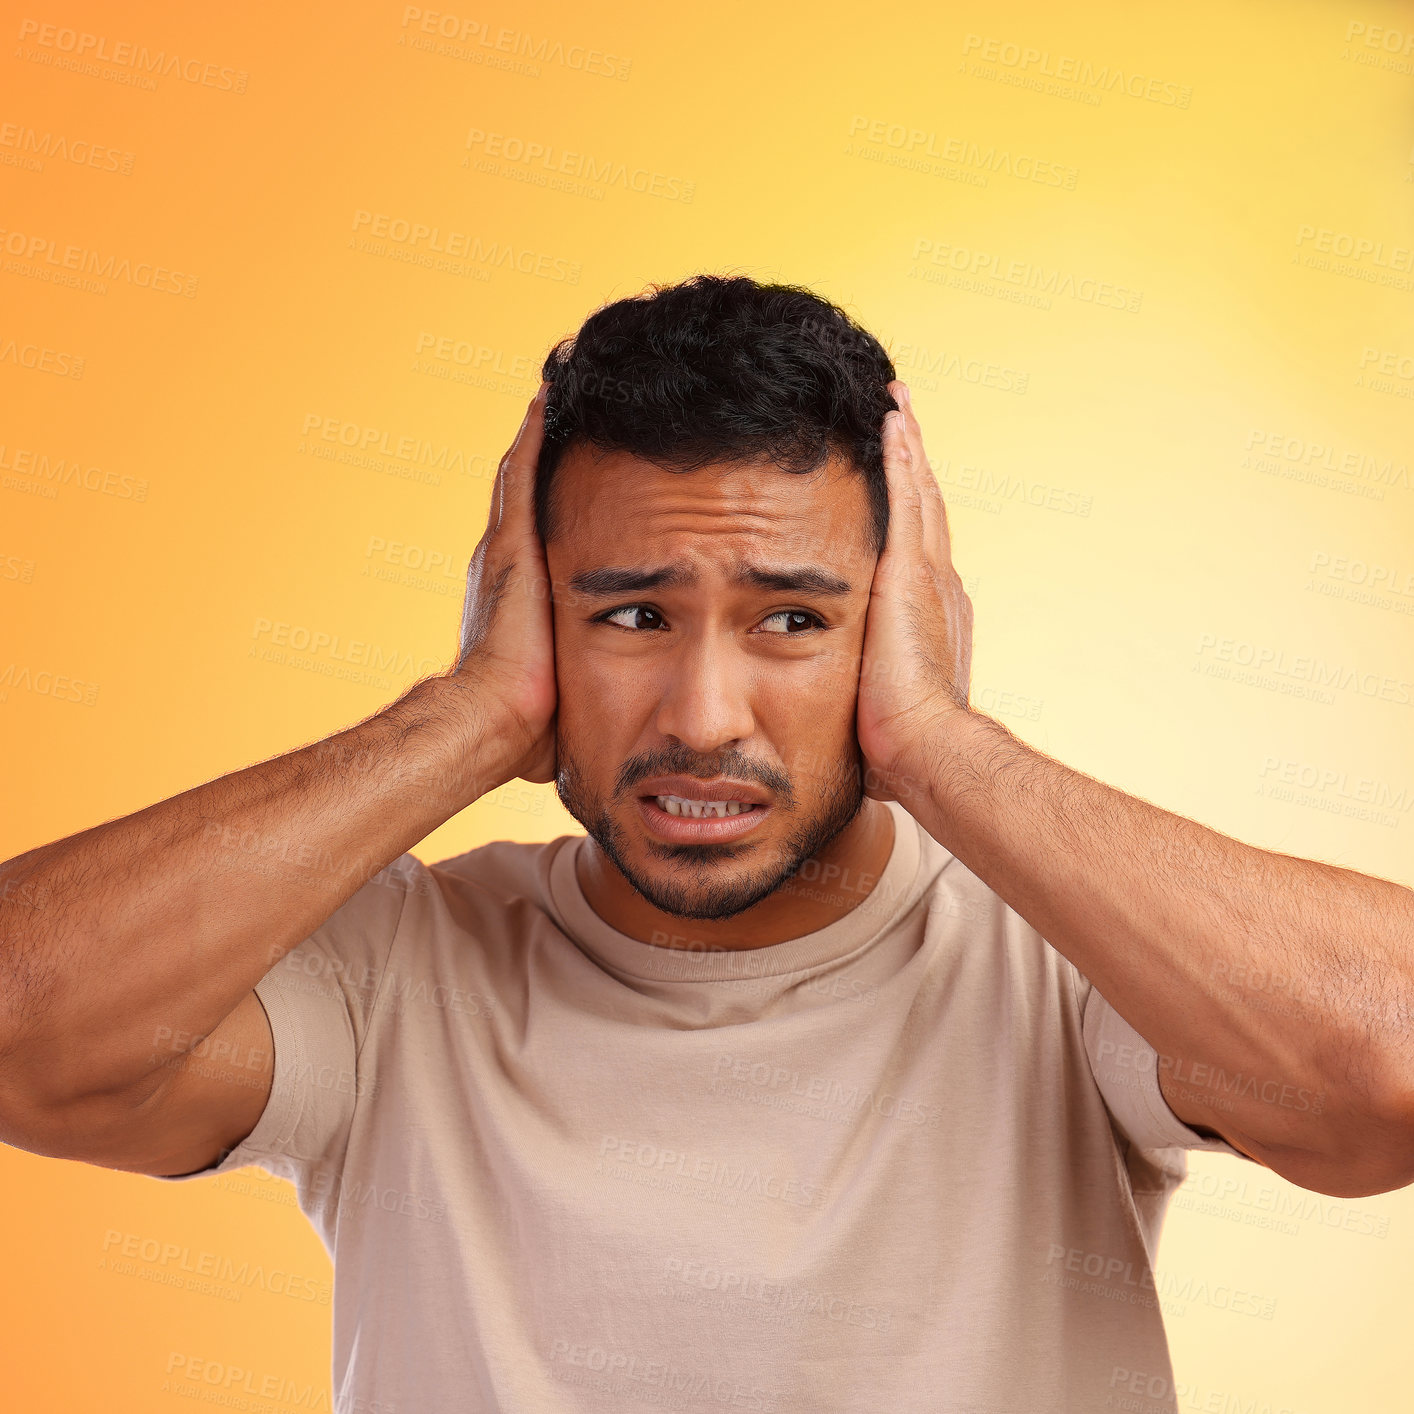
point(1147, 269)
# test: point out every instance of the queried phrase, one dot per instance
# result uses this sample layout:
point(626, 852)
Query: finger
point(514, 485)
point(922, 473)
point(904, 543)
point(514, 493)
point(493, 505)
point(935, 512)
point(913, 458)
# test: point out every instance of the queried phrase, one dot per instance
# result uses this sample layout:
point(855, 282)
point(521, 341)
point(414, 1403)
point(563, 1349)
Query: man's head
point(712, 499)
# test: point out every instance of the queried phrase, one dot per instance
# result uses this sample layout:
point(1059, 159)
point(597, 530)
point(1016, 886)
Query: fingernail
point(907, 396)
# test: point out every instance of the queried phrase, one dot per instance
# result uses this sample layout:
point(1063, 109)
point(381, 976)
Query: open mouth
point(684, 820)
point(702, 809)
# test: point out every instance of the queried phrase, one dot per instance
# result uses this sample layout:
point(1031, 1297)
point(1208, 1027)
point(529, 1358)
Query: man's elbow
point(1392, 1139)
point(1368, 1150)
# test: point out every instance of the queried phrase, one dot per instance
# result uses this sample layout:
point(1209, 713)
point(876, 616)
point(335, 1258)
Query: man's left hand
point(916, 659)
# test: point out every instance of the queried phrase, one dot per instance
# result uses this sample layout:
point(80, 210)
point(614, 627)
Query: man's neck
point(848, 869)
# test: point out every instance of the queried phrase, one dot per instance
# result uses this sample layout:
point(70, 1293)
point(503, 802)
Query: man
point(848, 1062)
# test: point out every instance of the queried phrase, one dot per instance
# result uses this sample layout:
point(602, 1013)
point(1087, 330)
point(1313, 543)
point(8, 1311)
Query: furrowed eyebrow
point(611, 582)
point(801, 579)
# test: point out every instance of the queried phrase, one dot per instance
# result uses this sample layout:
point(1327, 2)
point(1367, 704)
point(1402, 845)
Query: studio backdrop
point(277, 282)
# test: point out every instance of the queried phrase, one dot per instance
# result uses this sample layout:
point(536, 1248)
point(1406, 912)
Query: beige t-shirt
point(910, 1161)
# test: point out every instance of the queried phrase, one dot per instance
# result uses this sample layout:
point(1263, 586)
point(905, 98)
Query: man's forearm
point(1174, 923)
point(167, 917)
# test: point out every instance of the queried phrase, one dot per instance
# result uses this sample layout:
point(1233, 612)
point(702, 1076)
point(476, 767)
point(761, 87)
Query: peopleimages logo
point(79, 46)
point(641, 1155)
point(1260, 658)
point(462, 37)
point(41, 359)
point(1074, 70)
point(44, 251)
point(921, 146)
point(850, 1097)
point(544, 162)
point(31, 149)
point(968, 268)
point(53, 471)
point(235, 1387)
point(122, 1252)
point(462, 245)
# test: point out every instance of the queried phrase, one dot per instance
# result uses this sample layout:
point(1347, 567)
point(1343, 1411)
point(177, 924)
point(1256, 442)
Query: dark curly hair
point(720, 368)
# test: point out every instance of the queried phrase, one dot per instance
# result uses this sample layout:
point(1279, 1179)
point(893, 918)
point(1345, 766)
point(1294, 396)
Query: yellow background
point(1144, 499)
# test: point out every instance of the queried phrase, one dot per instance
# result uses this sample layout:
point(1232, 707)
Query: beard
point(704, 880)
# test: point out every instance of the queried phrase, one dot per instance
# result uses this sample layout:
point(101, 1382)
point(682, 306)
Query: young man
point(848, 1061)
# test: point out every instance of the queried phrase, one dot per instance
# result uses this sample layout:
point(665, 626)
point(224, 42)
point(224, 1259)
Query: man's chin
point(703, 905)
point(693, 881)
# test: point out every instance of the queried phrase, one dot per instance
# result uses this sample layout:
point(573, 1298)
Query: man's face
point(713, 676)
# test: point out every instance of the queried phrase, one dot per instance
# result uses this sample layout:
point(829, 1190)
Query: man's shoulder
point(496, 854)
point(500, 890)
point(505, 869)
point(965, 907)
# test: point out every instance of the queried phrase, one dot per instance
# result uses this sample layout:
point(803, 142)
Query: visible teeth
point(701, 809)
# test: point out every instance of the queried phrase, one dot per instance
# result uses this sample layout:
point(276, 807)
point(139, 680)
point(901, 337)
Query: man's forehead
point(743, 511)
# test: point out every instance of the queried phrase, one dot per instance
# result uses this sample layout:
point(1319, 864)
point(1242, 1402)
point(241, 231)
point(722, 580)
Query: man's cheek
point(839, 657)
point(595, 693)
point(816, 739)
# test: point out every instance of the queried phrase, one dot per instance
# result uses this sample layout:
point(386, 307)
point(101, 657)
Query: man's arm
point(1278, 992)
point(125, 946)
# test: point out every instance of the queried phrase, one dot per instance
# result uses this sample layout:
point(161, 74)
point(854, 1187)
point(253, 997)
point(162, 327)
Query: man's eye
point(633, 610)
point(810, 621)
point(632, 616)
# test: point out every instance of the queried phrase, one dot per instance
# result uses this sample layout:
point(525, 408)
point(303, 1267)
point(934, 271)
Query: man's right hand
point(507, 650)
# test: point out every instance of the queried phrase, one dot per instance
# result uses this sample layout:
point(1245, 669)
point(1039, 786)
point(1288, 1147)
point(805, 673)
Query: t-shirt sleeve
point(320, 998)
point(1125, 1067)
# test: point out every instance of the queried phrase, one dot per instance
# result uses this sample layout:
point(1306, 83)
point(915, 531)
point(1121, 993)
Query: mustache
point(670, 762)
point(675, 761)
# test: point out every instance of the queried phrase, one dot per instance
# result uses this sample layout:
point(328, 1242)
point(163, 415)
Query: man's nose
point(704, 701)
